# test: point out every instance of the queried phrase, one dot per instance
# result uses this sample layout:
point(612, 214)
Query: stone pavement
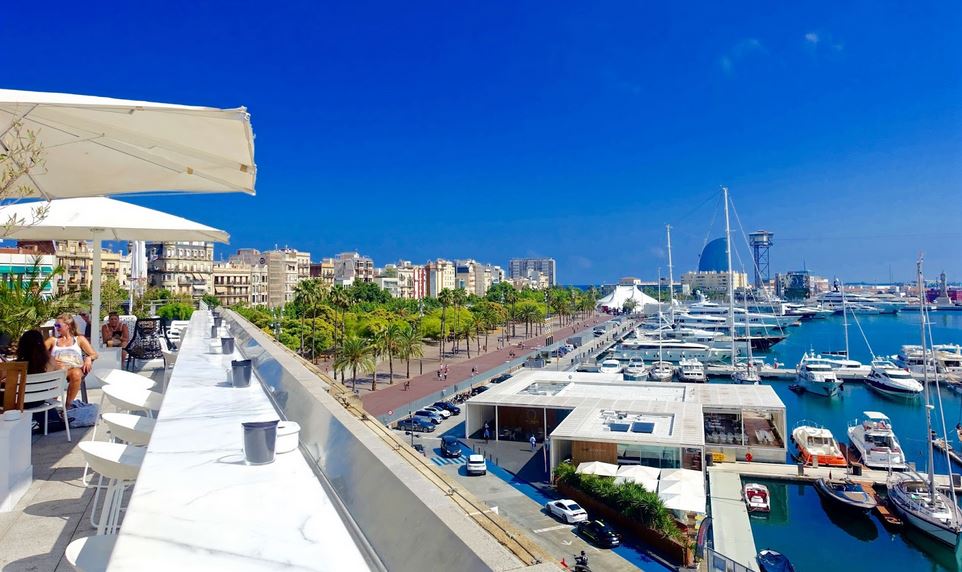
point(396, 396)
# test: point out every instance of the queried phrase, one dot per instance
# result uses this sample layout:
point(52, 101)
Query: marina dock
point(811, 474)
point(731, 528)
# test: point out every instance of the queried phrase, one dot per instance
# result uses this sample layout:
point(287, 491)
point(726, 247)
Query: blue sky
point(563, 129)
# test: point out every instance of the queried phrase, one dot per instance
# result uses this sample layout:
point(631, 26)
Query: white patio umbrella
point(639, 474)
point(682, 489)
point(98, 219)
point(138, 269)
point(99, 146)
point(597, 468)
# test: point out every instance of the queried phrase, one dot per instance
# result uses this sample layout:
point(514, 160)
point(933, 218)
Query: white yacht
point(691, 371)
point(636, 368)
point(910, 359)
point(747, 372)
point(650, 349)
point(859, 303)
point(817, 378)
point(661, 371)
point(889, 379)
point(875, 442)
point(743, 315)
point(762, 337)
point(841, 365)
point(610, 366)
point(948, 358)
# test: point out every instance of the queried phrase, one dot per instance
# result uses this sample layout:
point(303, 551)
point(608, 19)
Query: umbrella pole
point(95, 296)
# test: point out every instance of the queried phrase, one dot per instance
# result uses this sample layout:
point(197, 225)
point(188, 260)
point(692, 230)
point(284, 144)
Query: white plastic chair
point(120, 464)
point(51, 388)
point(91, 554)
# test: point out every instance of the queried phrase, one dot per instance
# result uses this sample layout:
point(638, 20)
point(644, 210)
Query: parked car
point(599, 333)
point(501, 378)
point(567, 510)
point(448, 406)
point(416, 424)
point(444, 413)
point(450, 447)
point(599, 533)
point(476, 465)
point(479, 389)
point(435, 417)
point(569, 347)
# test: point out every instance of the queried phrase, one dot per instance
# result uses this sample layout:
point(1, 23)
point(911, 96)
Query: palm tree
point(340, 300)
point(354, 353)
point(446, 298)
point(409, 346)
point(458, 299)
point(309, 294)
point(388, 341)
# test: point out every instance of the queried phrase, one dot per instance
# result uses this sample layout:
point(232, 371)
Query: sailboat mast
point(844, 317)
point(671, 283)
point(731, 286)
point(925, 383)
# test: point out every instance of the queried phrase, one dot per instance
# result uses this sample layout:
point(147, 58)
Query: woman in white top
point(71, 352)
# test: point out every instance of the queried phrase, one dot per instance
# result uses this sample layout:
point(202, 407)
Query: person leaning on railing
point(72, 352)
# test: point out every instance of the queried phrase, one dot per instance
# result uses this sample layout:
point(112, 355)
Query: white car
point(476, 465)
point(442, 412)
point(567, 510)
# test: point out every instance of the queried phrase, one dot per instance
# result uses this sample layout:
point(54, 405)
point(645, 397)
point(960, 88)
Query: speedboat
point(691, 370)
point(756, 498)
point(889, 379)
point(747, 372)
point(875, 443)
point(817, 446)
point(610, 366)
point(771, 561)
point(636, 368)
point(845, 493)
point(816, 377)
point(924, 508)
point(661, 371)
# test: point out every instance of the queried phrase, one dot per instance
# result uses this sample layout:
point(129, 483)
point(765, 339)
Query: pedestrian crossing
point(441, 461)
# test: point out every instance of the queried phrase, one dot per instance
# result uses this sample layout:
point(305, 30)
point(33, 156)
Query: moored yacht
point(925, 508)
point(636, 368)
point(747, 372)
point(889, 379)
point(650, 349)
point(875, 443)
point(817, 446)
point(817, 378)
point(691, 371)
point(661, 371)
point(840, 364)
point(610, 366)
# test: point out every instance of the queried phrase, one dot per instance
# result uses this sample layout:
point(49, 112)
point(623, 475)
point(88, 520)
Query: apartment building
point(181, 267)
point(323, 270)
point(232, 283)
point(412, 280)
point(476, 278)
point(526, 267)
point(441, 274)
point(351, 266)
point(283, 274)
point(20, 262)
point(711, 281)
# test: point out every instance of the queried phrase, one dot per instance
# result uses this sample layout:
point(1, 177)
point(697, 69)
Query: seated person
point(72, 352)
point(34, 352)
point(115, 333)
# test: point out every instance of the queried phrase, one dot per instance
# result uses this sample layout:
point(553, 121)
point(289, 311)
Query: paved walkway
point(395, 396)
point(731, 527)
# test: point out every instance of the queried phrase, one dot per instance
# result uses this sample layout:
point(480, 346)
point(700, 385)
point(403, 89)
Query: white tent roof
point(104, 219)
point(641, 471)
point(622, 293)
point(97, 146)
point(682, 489)
point(597, 468)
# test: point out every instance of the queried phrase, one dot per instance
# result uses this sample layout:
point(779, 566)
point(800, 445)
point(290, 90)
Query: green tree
point(26, 302)
point(446, 298)
point(409, 345)
point(175, 311)
point(211, 300)
point(389, 340)
point(355, 353)
point(310, 294)
point(341, 301)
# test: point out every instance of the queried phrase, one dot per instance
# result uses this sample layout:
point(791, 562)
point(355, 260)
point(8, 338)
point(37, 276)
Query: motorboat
point(925, 507)
point(817, 377)
point(650, 349)
point(836, 300)
point(747, 372)
point(756, 497)
point(661, 371)
point(818, 447)
point(636, 368)
point(947, 359)
point(840, 363)
point(845, 493)
point(610, 366)
point(691, 371)
point(875, 443)
point(910, 358)
point(771, 561)
point(889, 379)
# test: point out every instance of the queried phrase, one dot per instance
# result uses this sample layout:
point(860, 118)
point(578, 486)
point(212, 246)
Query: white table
point(196, 504)
point(16, 471)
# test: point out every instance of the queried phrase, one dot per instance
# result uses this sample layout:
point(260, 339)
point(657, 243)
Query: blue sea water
point(816, 537)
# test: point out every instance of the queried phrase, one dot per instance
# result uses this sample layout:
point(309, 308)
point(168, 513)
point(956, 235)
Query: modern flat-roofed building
point(524, 268)
point(601, 417)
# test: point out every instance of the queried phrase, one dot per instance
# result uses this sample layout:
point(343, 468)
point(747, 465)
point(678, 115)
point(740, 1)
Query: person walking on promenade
point(487, 433)
point(474, 371)
point(534, 443)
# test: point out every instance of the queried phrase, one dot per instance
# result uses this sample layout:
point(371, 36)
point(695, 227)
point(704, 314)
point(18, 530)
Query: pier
point(731, 528)
point(808, 474)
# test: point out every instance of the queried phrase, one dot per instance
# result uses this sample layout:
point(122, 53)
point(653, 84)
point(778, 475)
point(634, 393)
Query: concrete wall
point(407, 522)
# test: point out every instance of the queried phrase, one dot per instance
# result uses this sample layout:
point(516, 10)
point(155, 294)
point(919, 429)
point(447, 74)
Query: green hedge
point(629, 499)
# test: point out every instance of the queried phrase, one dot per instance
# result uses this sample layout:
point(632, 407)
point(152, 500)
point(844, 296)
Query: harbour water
point(814, 536)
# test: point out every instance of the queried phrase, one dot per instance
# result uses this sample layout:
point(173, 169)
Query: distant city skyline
point(568, 131)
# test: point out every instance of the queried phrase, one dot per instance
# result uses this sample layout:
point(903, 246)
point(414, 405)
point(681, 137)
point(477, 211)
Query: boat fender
point(748, 457)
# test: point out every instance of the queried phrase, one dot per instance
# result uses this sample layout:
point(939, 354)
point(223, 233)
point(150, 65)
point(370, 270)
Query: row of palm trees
point(402, 341)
